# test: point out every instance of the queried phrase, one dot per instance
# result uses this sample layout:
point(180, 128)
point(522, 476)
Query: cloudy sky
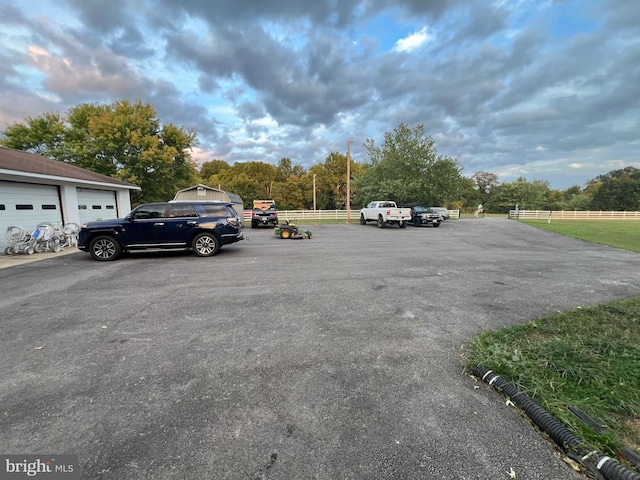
point(543, 89)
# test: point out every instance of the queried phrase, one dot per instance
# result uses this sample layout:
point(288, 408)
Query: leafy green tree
point(485, 182)
point(579, 201)
point(407, 168)
point(591, 189)
point(247, 188)
point(169, 164)
point(446, 181)
point(250, 180)
point(331, 182)
point(263, 174)
point(212, 167)
point(298, 171)
point(557, 200)
point(289, 187)
point(284, 170)
point(572, 198)
point(285, 183)
point(324, 188)
point(84, 139)
point(335, 173)
point(44, 135)
point(527, 195)
point(619, 190)
point(306, 182)
point(469, 195)
point(289, 195)
point(123, 140)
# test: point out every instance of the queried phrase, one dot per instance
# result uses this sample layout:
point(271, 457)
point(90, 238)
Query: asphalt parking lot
point(331, 358)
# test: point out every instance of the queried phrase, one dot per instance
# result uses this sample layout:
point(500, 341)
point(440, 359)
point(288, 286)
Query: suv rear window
point(216, 210)
point(177, 210)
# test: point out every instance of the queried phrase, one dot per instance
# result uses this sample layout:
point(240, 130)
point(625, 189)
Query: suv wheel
point(362, 220)
point(380, 221)
point(105, 248)
point(205, 244)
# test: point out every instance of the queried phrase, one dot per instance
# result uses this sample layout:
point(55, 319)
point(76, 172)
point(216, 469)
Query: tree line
point(616, 190)
point(127, 141)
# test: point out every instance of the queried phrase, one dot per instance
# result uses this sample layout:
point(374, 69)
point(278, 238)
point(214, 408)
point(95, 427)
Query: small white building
point(35, 189)
point(203, 192)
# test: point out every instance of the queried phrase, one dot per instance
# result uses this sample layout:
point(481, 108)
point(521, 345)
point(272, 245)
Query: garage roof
point(21, 161)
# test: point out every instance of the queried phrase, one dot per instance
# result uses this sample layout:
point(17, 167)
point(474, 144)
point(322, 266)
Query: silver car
point(442, 211)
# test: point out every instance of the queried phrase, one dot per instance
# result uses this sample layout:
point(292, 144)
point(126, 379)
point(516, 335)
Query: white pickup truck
point(385, 213)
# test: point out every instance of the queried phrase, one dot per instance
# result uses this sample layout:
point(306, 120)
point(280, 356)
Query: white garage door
point(96, 204)
point(26, 205)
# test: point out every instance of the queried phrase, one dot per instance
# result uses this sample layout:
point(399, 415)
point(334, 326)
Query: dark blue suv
point(203, 227)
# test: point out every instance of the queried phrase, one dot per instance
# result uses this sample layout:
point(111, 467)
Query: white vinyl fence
point(574, 215)
point(323, 215)
point(309, 215)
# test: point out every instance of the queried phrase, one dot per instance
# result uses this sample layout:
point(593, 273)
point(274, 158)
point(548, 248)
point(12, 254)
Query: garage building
point(35, 189)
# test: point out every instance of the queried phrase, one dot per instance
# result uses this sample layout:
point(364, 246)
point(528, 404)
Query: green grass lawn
point(623, 234)
point(588, 357)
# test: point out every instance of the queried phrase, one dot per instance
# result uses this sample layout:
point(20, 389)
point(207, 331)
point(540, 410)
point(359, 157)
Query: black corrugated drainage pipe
point(570, 443)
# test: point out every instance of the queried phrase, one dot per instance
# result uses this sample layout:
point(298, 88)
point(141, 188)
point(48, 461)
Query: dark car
point(203, 227)
point(264, 213)
point(425, 216)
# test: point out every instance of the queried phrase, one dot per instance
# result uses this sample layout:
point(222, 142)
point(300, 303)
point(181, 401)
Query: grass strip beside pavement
point(623, 234)
point(587, 358)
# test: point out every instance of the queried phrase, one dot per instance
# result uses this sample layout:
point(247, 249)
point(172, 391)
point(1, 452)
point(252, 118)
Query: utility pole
point(314, 192)
point(349, 181)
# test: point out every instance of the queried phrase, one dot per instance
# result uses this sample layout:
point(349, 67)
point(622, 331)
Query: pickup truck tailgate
point(399, 214)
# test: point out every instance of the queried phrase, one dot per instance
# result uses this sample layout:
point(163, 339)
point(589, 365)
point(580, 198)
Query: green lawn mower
point(290, 230)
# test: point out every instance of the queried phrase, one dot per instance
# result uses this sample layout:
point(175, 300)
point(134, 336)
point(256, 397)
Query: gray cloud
point(506, 88)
